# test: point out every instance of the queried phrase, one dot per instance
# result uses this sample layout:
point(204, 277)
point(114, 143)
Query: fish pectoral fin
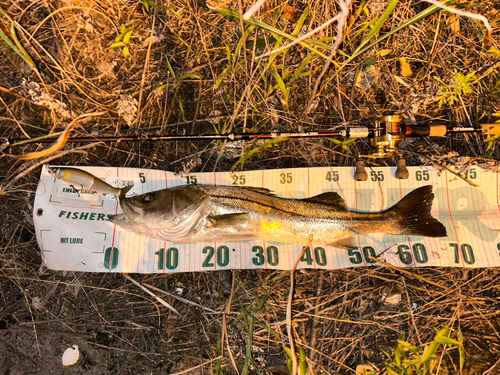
point(330, 198)
point(228, 220)
point(344, 243)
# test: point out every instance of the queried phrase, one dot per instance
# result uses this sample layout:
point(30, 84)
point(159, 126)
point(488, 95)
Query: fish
point(216, 213)
point(80, 179)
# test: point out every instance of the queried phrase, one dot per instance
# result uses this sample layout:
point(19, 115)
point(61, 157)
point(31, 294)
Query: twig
point(492, 367)
point(59, 144)
point(145, 71)
point(53, 157)
point(462, 13)
point(32, 319)
point(411, 274)
point(243, 36)
point(225, 338)
point(312, 354)
point(173, 295)
point(195, 367)
point(303, 37)
point(14, 118)
point(342, 16)
point(443, 166)
point(151, 293)
point(289, 307)
point(253, 9)
point(411, 312)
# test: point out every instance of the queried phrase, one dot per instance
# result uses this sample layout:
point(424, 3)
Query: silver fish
point(206, 213)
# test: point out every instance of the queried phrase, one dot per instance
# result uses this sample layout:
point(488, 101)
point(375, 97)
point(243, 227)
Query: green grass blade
point(171, 10)
point(170, 69)
point(430, 351)
point(300, 22)
point(302, 361)
point(376, 29)
point(308, 43)
point(254, 150)
point(425, 13)
point(411, 347)
point(281, 84)
point(14, 43)
point(185, 76)
point(461, 350)
point(160, 88)
point(182, 110)
point(221, 76)
point(240, 43)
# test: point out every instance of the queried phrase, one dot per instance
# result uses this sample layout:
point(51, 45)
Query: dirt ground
point(189, 71)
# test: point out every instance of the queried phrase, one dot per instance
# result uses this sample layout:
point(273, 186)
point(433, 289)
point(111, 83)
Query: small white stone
point(71, 356)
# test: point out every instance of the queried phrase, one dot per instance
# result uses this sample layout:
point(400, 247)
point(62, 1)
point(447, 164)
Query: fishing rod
point(384, 137)
point(352, 132)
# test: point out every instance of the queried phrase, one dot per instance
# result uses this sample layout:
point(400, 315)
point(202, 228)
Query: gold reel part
point(387, 135)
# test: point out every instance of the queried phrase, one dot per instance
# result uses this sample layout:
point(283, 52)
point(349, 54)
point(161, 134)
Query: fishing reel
point(386, 134)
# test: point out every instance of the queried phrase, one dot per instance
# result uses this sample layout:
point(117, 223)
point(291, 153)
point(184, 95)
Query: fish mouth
point(120, 219)
point(130, 211)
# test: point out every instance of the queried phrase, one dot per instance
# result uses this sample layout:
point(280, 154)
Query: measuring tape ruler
point(74, 234)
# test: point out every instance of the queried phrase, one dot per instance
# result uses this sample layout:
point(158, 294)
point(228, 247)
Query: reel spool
point(387, 134)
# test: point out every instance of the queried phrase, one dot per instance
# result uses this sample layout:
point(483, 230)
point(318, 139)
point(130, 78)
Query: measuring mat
point(74, 233)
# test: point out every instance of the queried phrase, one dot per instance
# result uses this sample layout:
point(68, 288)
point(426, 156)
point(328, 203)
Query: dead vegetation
point(188, 72)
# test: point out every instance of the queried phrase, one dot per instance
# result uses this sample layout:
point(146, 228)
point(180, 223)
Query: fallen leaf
point(454, 23)
point(494, 50)
point(384, 52)
point(487, 40)
point(290, 13)
point(401, 81)
point(405, 68)
point(342, 92)
point(365, 370)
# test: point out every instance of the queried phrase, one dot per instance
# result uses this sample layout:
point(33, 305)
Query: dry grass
point(340, 318)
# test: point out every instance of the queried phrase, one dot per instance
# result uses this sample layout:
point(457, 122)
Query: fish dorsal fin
point(258, 190)
point(331, 198)
point(228, 220)
point(344, 243)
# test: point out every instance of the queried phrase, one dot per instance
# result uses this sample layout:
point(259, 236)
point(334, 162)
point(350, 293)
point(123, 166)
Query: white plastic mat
point(74, 234)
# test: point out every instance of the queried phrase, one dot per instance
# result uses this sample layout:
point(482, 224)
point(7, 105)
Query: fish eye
point(147, 198)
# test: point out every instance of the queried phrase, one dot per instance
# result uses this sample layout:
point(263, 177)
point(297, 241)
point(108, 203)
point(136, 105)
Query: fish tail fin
point(414, 214)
